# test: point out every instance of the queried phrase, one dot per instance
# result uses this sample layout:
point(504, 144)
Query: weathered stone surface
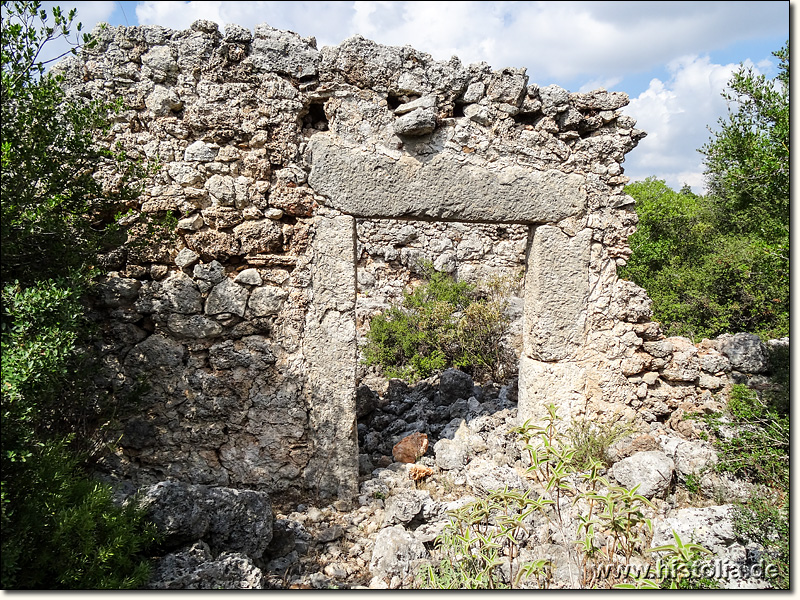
point(371, 185)
point(556, 294)
point(403, 507)
point(186, 258)
point(259, 236)
point(284, 52)
point(248, 277)
point(212, 272)
point(421, 121)
point(542, 383)
point(266, 300)
point(119, 290)
point(484, 477)
point(691, 458)
point(745, 351)
point(194, 568)
point(227, 519)
point(395, 553)
point(227, 297)
point(450, 454)
point(193, 326)
point(410, 448)
point(330, 339)
point(651, 471)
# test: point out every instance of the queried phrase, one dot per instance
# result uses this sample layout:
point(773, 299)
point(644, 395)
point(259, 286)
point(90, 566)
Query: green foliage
point(60, 528)
point(442, 323)
point(477, 538)
point(766, 522)
point(483, 539)
point(752, 438)
point(54, 208)
point(591, 441)
point(720, 263)
point(703, 279)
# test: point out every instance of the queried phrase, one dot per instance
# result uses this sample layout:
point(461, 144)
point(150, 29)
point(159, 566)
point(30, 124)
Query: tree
point(720, 263)
point(54, 207)
point(60, 528)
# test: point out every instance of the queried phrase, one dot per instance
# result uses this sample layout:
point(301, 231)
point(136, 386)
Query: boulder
point(745, 351)
point(410, 448)
point(228, 520)
point(651, 471)
point(194, 568)
point(396, 553)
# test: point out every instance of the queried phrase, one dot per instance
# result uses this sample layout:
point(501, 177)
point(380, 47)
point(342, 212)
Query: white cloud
point(676, 116)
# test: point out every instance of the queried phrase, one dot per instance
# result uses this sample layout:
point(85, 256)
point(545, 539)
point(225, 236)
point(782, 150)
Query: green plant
point(442, 323)
point(481, 538)
point(680, 567)
point(60, 528)
point(692, 483)
point(592, 441)
point(766, 521)
point(752, 438)
point(482, 543)
point(720, 263)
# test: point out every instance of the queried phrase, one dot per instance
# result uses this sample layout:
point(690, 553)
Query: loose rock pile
point(391, 534)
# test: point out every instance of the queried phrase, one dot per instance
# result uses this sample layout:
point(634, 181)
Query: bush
point(60, 528)
point(443, 323)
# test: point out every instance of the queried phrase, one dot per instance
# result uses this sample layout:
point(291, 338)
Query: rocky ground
point(461, 437)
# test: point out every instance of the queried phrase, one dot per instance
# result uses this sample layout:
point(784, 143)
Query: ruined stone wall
point(306, 184)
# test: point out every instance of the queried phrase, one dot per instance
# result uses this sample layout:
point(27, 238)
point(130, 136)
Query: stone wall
point(306, 184)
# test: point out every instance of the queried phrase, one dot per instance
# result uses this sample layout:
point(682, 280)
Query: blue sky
point(672, 58)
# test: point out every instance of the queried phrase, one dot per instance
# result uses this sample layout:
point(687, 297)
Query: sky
point(673, 59)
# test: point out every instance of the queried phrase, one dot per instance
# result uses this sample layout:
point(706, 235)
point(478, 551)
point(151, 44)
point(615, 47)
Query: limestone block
point(330, 339)
point(484, 476)
point(213, 272)
point(556, 293)
point(193, 326)
point(227, 297)
point(195, 568)
point(650, 470)
point(374, 185)
point(450, 454)
point(248, 277)
point(542, 383)
point(201, 152)
point(745, 351)
point(404, 506)
point(186, 258)
point(474, 92)
point(214, 244)
point(508, 85)
point(227, 519)
point(285, 52)
point(259, 236)
point(396, 553)
point(421, 121)
point(267, 300)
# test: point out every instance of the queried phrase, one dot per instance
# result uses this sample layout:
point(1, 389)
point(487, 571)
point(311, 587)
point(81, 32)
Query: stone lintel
point(371, 185)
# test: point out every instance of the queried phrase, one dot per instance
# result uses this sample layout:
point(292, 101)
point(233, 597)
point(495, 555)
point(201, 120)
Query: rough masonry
point(307, 184)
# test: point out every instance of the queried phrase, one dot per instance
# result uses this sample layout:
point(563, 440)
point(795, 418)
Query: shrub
point(442, 323)
point(753, 442)
point(481, 547)
point(60, 528)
